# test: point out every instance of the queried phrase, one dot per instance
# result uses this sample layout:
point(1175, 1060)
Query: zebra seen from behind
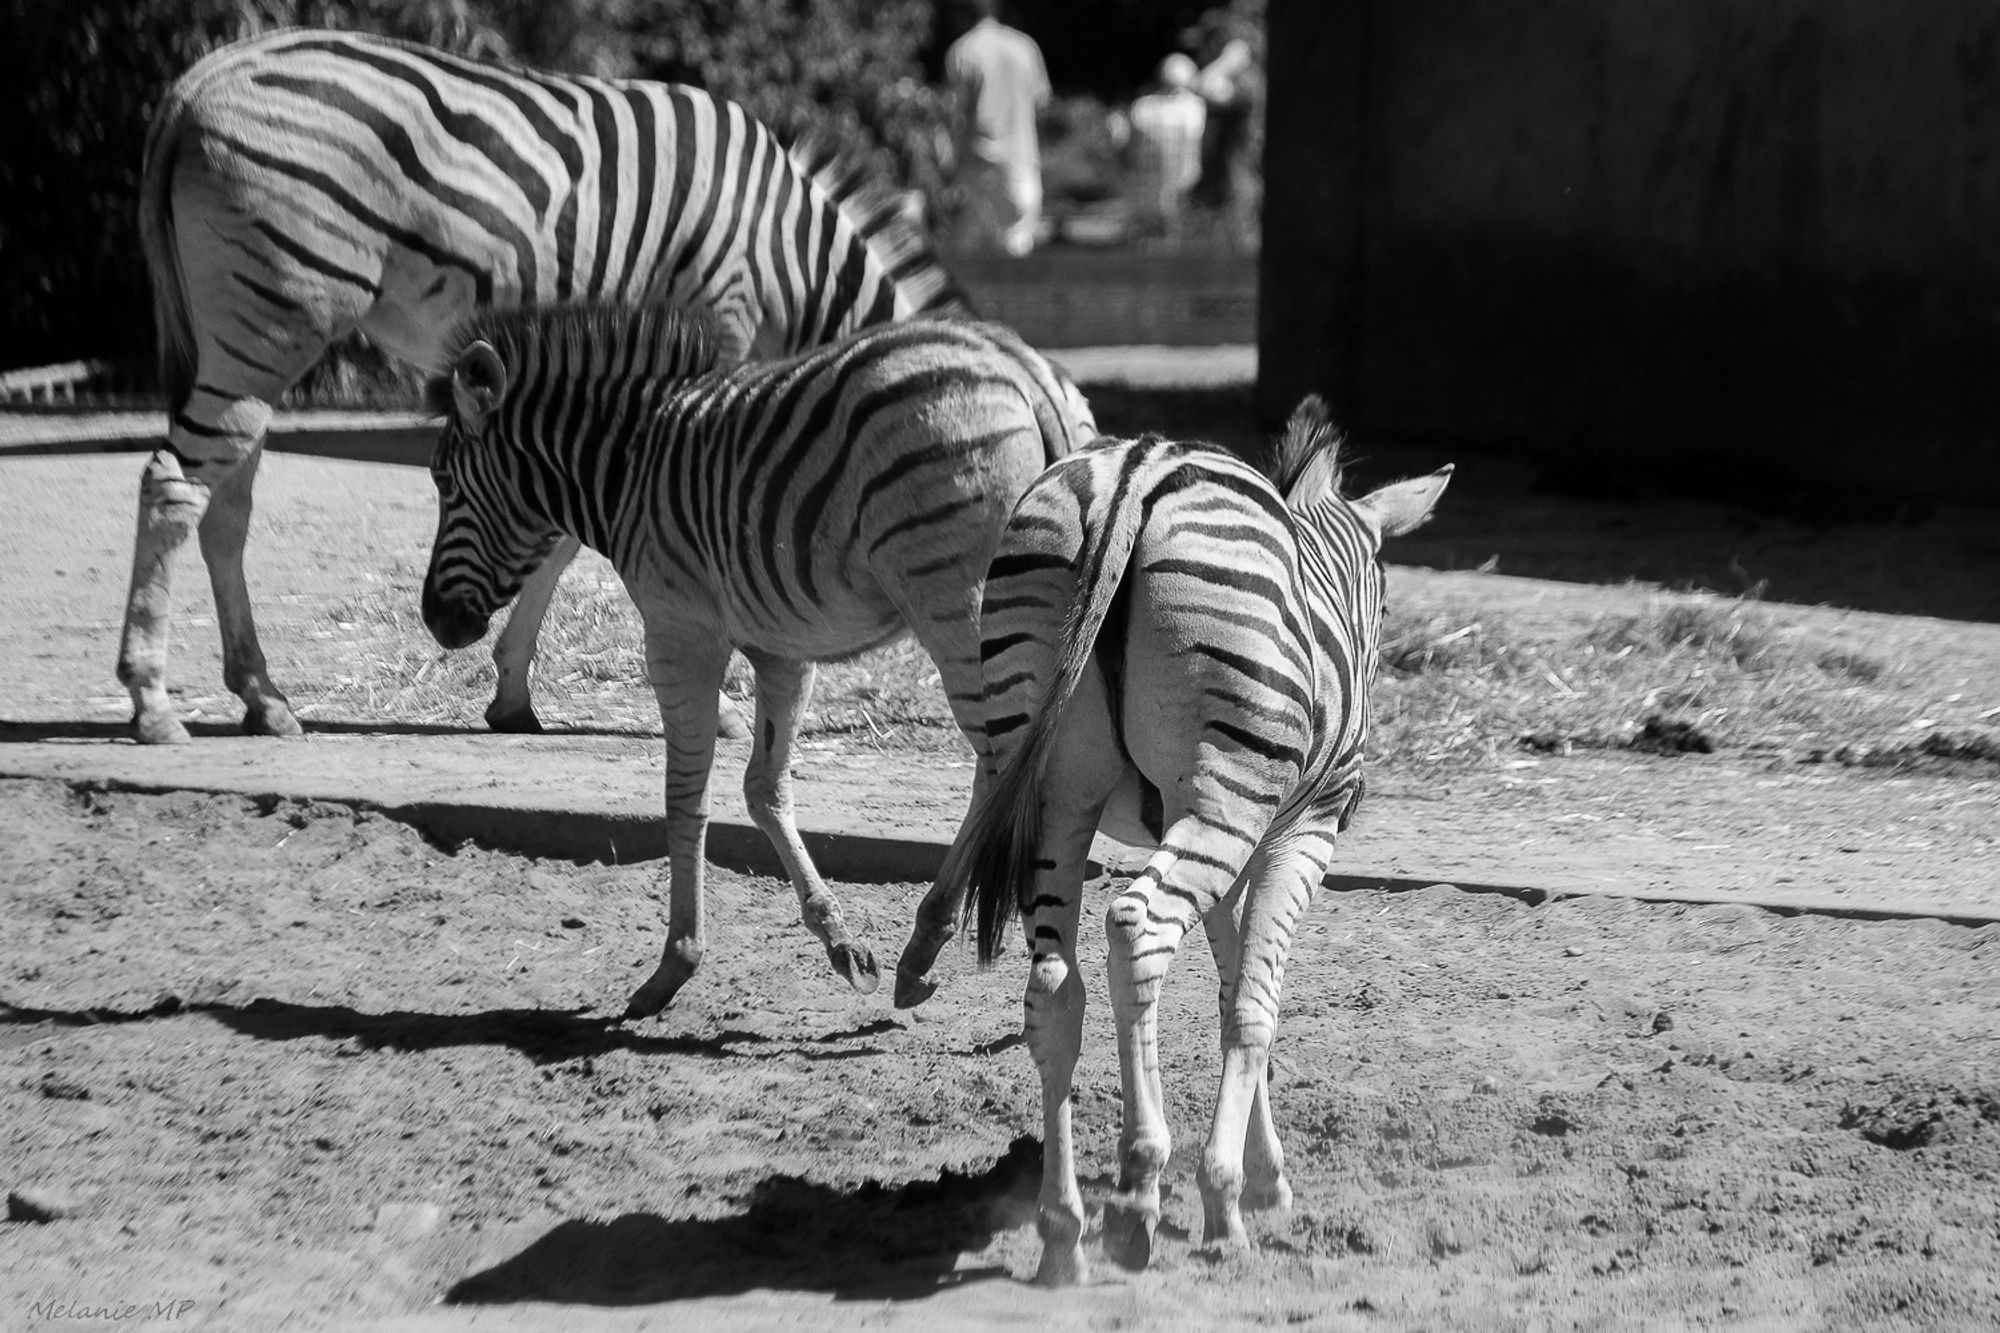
point(1177, 650)
point(305, 184)
point(797, 510)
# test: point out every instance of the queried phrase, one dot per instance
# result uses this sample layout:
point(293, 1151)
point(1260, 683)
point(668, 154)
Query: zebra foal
point(1177, 650)
point(798, 510)
point(304, 184)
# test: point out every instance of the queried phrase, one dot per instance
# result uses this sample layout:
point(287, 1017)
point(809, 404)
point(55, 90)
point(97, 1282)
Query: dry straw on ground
point(1459, 684)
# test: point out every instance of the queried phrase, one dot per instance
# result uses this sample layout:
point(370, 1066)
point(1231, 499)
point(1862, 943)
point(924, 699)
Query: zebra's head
point(1308, 472)
point(1347, 534)
point(532, 397)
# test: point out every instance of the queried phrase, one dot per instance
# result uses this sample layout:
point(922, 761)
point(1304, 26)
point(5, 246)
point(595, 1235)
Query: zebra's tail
point(994, 857)
point(173, 330)
point(876, 210)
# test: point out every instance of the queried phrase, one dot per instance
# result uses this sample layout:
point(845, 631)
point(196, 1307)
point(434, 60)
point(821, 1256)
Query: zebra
point(304, 184)
point(797, 510)
point(1178, 650)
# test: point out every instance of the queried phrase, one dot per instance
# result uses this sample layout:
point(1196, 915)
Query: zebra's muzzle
point(453, 621)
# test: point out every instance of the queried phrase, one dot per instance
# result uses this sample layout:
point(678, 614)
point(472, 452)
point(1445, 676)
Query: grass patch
point(1682, 673)
point(590, 671)
point(1459, 684)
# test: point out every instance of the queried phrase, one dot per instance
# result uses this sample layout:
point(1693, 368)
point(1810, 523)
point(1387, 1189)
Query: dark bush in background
point(87, 75)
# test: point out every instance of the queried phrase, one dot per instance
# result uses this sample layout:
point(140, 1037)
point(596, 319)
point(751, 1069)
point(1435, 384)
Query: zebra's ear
point(1403, 506)
point(477, 382)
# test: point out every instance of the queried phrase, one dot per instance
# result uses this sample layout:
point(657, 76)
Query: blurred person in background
point(998, 83)
point(1166, 140)
point(1232, 87)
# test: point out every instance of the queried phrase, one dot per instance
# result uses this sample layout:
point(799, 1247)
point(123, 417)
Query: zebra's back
point(342, 178)
point(809, 496)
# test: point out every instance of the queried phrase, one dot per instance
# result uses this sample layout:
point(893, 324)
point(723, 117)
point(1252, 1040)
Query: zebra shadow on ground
point(78, 730)
point(876, 1242)
point(545, 1036)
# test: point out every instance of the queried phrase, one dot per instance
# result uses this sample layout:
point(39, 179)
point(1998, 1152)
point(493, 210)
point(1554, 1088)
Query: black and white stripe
point(797, 510)
point(305, 184)
point(1178, 651)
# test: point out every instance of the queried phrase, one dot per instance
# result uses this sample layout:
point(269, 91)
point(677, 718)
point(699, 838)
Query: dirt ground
point(302, 1068)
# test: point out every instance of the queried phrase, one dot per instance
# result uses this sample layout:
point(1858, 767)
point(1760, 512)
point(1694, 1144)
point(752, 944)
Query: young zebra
point(798, 510)
point(304, 184)
point(1177, 650)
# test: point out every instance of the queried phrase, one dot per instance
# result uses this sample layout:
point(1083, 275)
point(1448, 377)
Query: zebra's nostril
point(452, 622)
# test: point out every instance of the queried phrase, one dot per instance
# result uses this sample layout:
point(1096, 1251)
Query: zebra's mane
point(876, 211)
point(1306, 464)
point(590, 339)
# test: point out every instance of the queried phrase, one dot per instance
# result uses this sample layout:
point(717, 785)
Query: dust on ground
point(303, 1068)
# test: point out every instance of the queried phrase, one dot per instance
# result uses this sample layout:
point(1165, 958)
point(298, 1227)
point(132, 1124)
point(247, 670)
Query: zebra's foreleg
point(514, 650)
point(513, 706)
point(686, 671)
point(1181, 882)
point(783, 687)
point(170, 508)
point(224, 529)
point(1281, 883)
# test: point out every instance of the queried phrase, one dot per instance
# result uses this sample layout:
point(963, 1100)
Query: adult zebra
point(1179, 651)
point(798, 510)
point(304, 184)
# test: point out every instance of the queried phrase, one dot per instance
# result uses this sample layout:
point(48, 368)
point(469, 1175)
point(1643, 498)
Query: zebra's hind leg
point(686, 671)
point(950, 634)
point(513, 706)
point(1264, 1185)
point(783, 687)
point(1052, 1022)
point(1182, 881)
point(1279, 887)
point(224, 528)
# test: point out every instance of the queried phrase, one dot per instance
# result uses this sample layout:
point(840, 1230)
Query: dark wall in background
point(1756, 235)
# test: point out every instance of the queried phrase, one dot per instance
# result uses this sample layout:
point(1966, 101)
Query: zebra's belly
point(839, 626)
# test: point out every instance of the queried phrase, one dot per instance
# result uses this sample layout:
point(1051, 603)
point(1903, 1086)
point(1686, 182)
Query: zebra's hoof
point(1275, 1196)
point(648, 1000)
point(273, 717)
point(1062, 1266)
point(1128, 1235)
point(912, 989)
point(158, 729)
point(857, 963)
point(514, 721)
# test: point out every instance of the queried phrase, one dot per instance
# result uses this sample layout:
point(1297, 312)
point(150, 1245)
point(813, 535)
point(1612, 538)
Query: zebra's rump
point(1176, 571)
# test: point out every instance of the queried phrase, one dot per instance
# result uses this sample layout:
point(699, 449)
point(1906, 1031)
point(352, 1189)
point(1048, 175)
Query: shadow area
point(876, 1242)
point(63, 729)
point(1704, 522)
point(67, 729)
point(546, 1036)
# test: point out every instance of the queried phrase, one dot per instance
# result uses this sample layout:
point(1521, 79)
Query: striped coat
point(797, 510)
point(304, 184)
point(1178, 651)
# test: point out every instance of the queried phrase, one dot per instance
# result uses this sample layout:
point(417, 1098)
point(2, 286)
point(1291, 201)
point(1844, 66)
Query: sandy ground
point(303, 1067)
